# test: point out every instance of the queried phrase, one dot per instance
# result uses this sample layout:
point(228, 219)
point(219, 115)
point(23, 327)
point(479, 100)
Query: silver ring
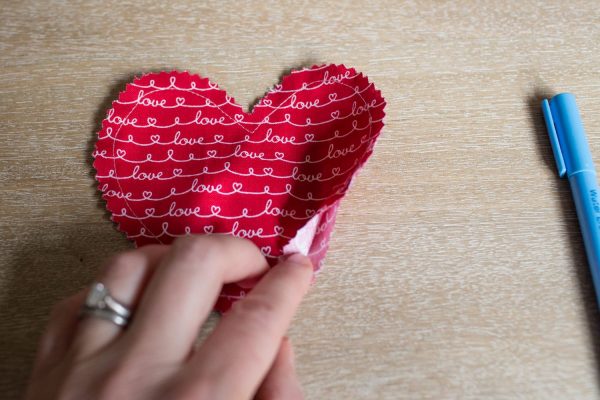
point(99, 303)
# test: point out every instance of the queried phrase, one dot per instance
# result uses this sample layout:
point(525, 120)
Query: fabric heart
point(176, 156)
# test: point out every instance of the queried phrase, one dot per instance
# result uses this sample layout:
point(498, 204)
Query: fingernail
point(299, 259)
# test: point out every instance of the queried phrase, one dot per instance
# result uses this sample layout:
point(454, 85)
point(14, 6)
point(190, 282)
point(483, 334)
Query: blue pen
point(573, 159)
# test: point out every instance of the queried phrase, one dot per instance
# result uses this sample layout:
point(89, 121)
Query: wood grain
point(456, 269)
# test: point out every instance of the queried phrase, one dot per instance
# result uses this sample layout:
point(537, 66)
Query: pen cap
point(572, 144)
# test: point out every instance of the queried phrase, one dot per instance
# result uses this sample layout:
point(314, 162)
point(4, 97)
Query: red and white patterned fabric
point(176, 155)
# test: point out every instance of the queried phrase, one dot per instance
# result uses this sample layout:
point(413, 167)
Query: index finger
point(235, 358)
point(183, 290)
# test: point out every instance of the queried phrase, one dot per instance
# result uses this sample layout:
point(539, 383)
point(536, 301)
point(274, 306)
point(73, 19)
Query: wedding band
point(99, 303)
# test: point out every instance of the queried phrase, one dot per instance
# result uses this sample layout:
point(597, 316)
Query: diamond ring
point(99, 303)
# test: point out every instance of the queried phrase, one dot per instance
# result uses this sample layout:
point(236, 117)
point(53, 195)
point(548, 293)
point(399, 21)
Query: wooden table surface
point(456, 269)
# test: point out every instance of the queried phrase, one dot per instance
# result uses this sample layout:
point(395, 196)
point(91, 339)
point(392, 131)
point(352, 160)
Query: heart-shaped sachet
point(176, 155)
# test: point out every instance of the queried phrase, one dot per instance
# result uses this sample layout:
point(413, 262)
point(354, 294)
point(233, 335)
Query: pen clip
point(558, 156)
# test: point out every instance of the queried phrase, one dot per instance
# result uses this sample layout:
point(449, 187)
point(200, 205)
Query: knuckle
point(123, 264)
point(200, 247)
point(255, 313)
point(193, 245)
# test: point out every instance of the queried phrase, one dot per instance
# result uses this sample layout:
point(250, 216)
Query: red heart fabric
point(176, 156)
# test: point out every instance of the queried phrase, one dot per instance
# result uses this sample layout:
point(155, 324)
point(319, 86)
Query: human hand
point(172, 290)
